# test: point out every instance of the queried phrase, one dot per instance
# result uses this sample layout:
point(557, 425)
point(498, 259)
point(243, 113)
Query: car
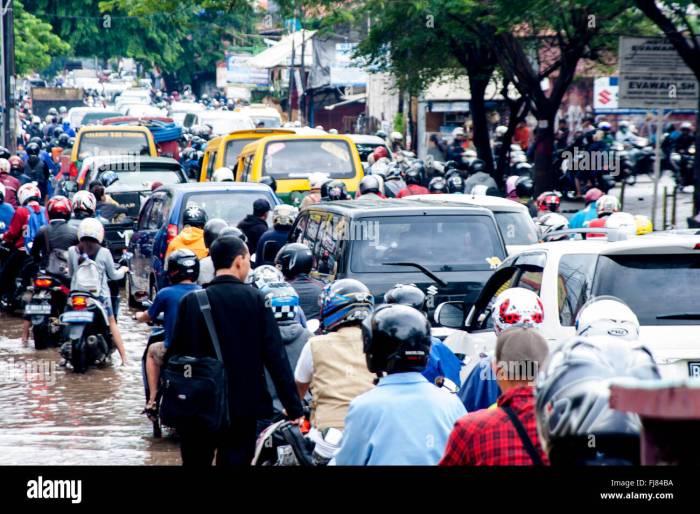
point(160, 221)
point(221, 122)
point(79, 116)
point(645, 272)
point(367, 144)
point(513, 218)
point(269, 117)
point(385, 242)
point(179, 110)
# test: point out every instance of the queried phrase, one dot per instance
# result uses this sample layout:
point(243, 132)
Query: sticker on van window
point(273, 148)
point(494, 262)
point(336, 150)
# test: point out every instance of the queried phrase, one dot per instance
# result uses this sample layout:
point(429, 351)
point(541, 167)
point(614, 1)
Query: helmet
point(92, 228)
point(549, 201)
point(32, 149)
point(394, 172)
point(604, 125)
point(4, 153)
point(28, 192)
point(501, 130)
point(607, 204)
point(552, 222)
point(623, 222)
point(36, 119)
point(59, 207)
point(57, 132)
point(369, 184)
point(212, 229)
point(269, 181)
point(458, 132)
point(283, 215)
point(282, 299)
point(592, 195)
point(337, 190)
point(623, 124)
point(607, 315)
point(182, 265)
point(437, 185)
point(413, 176)
point(316, 180)
point(53, 112)
point(510, 186)
point(222, 174)
point(406, 294)
point(233, 231)
point(477, 165)
point(294, 259)
point(686, 125)
point(380, 152)
point(572, 401)
point(523, 169)
point(396, 338)
point(84, 201)
point(396, 136)
point(524, 187)
point(4, 165)
point(64, 140)
point(108, 178)
point(381, 133)
point(344, 301)
point(62, 109)
point(194, 216)
point(265, 274)
point(16, 162)
point(517, 307)
point(455, 184)
point(644, 225)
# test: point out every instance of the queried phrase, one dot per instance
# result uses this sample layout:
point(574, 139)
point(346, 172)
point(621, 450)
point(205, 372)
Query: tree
point(675, 20)
point(35, 43)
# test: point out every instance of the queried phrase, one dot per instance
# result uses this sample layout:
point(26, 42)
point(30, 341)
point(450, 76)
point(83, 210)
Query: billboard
point(238, 72)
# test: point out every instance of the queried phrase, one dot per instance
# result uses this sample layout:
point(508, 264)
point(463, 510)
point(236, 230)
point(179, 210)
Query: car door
point(150, 222)
point(138, 263)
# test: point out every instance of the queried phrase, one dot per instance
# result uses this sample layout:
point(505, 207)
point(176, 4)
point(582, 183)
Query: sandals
point(151, 411)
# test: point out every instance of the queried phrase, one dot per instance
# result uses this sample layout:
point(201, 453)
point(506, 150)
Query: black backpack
point(195, 389)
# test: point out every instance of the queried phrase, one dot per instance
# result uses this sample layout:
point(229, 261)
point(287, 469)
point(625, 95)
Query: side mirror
point(451, 314)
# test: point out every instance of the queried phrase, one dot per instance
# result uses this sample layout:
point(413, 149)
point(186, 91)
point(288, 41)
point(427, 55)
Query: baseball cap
point(261, 206)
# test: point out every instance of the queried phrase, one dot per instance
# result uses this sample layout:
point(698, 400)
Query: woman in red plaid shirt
point(507, 435)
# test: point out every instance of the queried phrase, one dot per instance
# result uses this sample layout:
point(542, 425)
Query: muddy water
point(50, 415)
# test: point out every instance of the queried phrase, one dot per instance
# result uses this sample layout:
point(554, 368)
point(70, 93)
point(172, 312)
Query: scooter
point(48, 300)
point(157, 336)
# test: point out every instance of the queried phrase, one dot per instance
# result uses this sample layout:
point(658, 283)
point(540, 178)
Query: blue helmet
point(345, 301)
point(282, 299)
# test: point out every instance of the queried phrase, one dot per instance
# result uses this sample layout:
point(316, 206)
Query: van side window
point(211, 164)
point(312, 233)
point(300, 228)
point(329, 239)
point(248, 162)
point(145, 214)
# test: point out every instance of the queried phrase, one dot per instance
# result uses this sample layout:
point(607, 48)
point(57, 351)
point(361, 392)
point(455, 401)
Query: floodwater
point(52, 416)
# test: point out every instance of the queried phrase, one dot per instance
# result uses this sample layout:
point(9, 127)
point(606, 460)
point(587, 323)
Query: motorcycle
point(88, 339)
point(157, 336)
point(48, 300)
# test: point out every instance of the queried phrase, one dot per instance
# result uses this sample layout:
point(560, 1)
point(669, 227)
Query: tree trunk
point(544, 149)
point(480, 127)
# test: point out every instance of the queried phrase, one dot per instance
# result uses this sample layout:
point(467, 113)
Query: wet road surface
point(50, 415)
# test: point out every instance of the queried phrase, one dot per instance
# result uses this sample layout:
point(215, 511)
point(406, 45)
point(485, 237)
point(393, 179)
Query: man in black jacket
point(255, 225)
point(250, 343)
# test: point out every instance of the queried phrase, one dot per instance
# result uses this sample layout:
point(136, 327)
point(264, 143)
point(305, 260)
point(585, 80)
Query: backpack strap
point(205, 308)
point(524, 437)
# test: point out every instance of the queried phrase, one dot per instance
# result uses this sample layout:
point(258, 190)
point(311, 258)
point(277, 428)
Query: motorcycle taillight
point(79, 303)
point(43, 282)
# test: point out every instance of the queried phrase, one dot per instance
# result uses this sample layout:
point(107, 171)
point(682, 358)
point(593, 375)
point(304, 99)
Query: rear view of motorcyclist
point(270, 242)
point(36, 169)
point(478, 176)
point(605, 206)
point(413, 180)
point(437, 186)
point(394, 183)
point(212, 229)
point(84, 205)
point(7, 211)
point(589, 212)
point(192, 235)
point(524, 189)
point(371, 186)
point(11, 183)
point(295, 261)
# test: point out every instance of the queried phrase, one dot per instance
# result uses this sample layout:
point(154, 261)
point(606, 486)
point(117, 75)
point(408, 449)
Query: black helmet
point(394, 172)
point(324, 189)
point(233, 231)
point(64, 140)
point(4, 153)
point(396, 338)
point(477, 165)
point(108, 178)
point(437, 185)
point(38, 141)
point(343, 302)
point(33, 149)
point(413, 176)
point(406, 294)
point(455, 184)
point(337, 190)
point(369, 184)
point(524, 187)
point(294, 259)
point(183, 265)
point(57, 132)
point(523, 169)
point(194, 216)
point(270, 181)
point(212, 229)
point(573, 401)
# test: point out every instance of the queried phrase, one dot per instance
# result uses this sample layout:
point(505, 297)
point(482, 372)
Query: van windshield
point(233, 148)
point(440, 243)
point(299, 158)
point(113, 142)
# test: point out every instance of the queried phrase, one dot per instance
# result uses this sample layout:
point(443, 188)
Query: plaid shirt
point(488, 438)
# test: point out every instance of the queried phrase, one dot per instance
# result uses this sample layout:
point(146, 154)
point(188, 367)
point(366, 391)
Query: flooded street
point(49, 415)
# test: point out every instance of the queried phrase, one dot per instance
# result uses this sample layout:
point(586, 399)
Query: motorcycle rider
point(270, 242)
point(333, 365)
point(192, 235)
point(524, 188)
point(413, 180)
point(478, 176)
point(455, 183)
point(607, 316)
point(552, 222)
point(84, 205)
point(605, 206)
point(316, 180)
point(36, 169)
point(212, 229)
point(106, 207)
point(336, 190)
point(6, 211)
point(183, 273)
point(371, 186)
point(295, 261)
point(91, 235)
point(437, 185)
point(589, 212)
point(394, 182)
point(10, 183)
point(549, 201)
point(390, 424)
point(255, 225)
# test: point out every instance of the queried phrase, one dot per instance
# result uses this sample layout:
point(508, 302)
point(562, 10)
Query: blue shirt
point(480, 390)
point(584, 216)
point(166, 302)
point(404, 420)
point(442, 363)
point(6, 213)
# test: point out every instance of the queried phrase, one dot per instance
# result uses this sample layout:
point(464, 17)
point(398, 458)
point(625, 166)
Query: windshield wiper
point(419, 267)
point(680, 315)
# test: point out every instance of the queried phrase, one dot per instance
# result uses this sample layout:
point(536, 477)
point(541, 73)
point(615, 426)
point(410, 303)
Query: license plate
point(37, 309)
point(77, 317)
point(694, 369)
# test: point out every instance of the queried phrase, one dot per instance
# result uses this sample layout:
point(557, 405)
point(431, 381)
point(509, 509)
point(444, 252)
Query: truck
point(44, 98)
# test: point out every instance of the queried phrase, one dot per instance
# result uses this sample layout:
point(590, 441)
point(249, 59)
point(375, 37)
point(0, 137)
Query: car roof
point(669, 244)
point(391, 206)
point(105, 159)
point(205, 187)
point(493, 203)
point(366, 139)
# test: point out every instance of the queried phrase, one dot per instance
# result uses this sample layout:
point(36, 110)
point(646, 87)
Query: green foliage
point(35, 43)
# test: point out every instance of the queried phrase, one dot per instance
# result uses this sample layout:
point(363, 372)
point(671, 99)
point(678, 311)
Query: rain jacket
point(191, 238)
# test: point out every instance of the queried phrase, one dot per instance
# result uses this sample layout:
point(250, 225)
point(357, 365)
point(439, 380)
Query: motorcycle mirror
point(451, 314)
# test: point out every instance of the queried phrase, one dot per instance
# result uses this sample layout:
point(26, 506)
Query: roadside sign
point(605, 91)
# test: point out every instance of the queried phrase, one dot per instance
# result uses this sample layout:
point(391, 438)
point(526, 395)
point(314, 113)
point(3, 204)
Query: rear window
point(366, 149)
point(146, 177)
point(516, 228)
point(233, 148)
point(265, 122)
point(113, 142)
point(299, 158)
point(225, 124)
point(660, 289)
point(231, 206)
point(93, 118)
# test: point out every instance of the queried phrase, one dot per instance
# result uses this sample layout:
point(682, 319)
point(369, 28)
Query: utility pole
point(7, 72)
point(291, 66)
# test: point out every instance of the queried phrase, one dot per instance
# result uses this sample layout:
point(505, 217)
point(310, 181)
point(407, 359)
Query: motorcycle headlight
point(691, 150)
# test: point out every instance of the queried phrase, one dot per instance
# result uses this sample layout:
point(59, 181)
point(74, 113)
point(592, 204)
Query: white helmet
point(222, 174)
point(607, 204)
point(501, 130)
point(27, 192)
point(84, 201)
point(622, 221)
point(5, 165)
point(607, 315)
point(91, 227)
point(317, 179)
point(458, 131)
point(284, 215)
point(396, 136)
point(552, 222)
point(517, 307)
point(263, 275)
point(686, 125)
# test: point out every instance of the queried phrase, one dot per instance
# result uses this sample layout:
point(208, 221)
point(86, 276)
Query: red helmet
point(380, 152)
point(16, 162)
point(549, 201)
point(59, 207)
point(592, 195)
